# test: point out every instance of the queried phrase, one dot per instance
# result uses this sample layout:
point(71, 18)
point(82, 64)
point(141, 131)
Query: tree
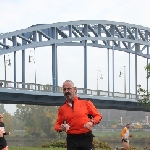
point(113, 122)
point(38, 120)
point(2, 110)
point(144, 94)
point(18, 124)
point(8, 120)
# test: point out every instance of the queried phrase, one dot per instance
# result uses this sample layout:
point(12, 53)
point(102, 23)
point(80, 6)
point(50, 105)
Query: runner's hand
point(62, 127)
point(88, 125)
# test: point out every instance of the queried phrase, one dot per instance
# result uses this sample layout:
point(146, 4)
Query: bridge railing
point(54, 89)
point(107, 93)
point(29, 86)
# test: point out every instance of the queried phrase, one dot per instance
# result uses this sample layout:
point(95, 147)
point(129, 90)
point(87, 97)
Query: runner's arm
point(94, 112)
point(123, 132)
point(59, 121)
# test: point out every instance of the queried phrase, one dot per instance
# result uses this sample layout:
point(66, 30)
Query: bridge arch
point(130, 38)
point(79, 31)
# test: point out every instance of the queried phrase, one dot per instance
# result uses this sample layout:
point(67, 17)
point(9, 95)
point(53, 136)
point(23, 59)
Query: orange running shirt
point(125, 133)
point(77, 115)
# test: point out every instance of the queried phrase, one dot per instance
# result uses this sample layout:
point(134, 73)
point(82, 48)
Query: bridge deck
point(53, 96)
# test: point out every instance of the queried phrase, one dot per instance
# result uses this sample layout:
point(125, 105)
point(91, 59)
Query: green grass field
point(31, 148)
point(139, 139)
point(34, 148)
point(135, 134)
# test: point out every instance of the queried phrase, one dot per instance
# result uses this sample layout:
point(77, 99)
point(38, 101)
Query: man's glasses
point(67, 89)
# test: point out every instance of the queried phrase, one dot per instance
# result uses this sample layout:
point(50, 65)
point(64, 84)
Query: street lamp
point(32, 59)
point(101, 77)
point(124, 78)
point(9, 64)
point(147, 119)
point(121, 121)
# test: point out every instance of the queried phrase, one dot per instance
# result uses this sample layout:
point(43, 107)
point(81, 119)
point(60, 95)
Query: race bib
point(2, 130)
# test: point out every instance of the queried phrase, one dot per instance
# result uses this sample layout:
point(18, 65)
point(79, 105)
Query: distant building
point(110, 115)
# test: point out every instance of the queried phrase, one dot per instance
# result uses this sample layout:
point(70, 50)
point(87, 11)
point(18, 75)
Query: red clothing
point(77, 115)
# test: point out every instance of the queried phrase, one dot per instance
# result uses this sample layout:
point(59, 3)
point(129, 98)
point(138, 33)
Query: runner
point(125, 137)
point(77, 117)
point(3, 143)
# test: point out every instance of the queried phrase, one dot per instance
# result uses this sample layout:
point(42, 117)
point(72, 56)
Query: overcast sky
point(20, 14)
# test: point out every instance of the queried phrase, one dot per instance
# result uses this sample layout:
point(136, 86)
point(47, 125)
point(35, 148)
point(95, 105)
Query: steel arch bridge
point(132, 39)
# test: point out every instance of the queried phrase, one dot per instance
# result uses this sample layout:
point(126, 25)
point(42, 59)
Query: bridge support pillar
point(129, 75)
point(108, 69)
point(137, 49)
point(14, 69)
point(54, 61)
point(23, 62)
point(147, 70)
point(23, 68)
point(85, 58)
point(54, 67)
point(85, 67)
point(113, 67)
point(14, 44)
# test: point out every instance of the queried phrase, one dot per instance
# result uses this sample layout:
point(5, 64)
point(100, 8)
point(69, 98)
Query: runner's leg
point(5, 148)
point(128, 147)
point(125, 145)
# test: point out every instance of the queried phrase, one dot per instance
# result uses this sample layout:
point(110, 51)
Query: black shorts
point(3, 143)
point(2, 146)
point(80, 141)
point(124, 140)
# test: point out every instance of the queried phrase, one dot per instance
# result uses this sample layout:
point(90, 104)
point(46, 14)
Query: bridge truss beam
point(130, 38)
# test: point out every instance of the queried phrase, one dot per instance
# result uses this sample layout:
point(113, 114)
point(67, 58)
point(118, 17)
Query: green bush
point(54, 144)
point(62, 144)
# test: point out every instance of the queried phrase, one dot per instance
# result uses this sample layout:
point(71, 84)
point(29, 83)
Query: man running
point(125, 137)
point(73, 118)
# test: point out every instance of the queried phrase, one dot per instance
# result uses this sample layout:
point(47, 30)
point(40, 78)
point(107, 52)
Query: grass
point(37, 148)
point(18, 133)
point(104, 134)
point(34, 148)
point(139, 140)
point(100, 135)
